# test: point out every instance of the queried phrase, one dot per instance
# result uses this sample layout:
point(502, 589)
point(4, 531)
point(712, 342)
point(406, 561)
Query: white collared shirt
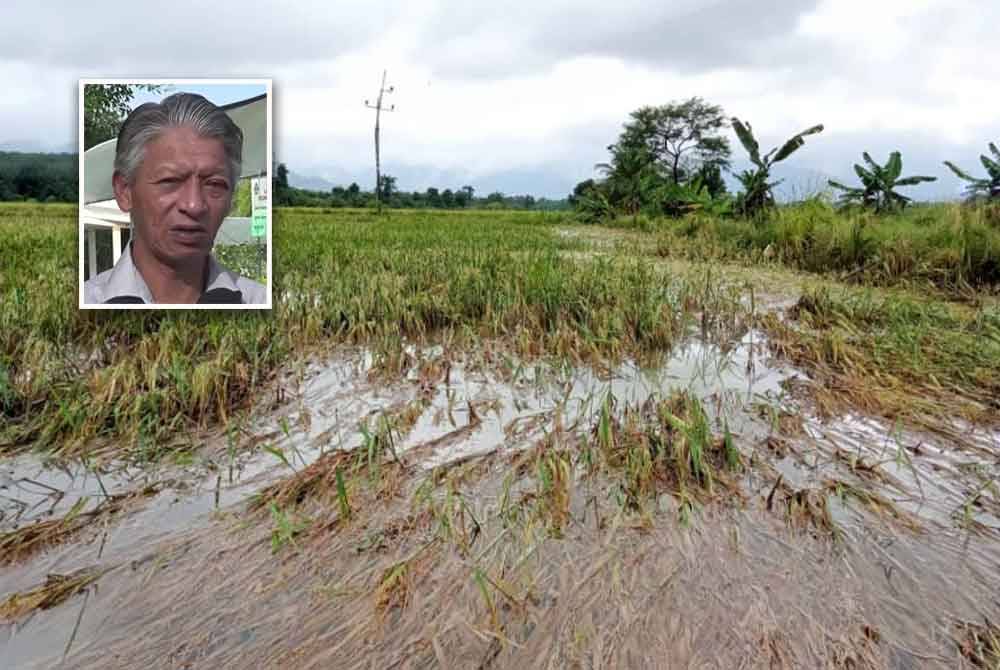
point(123, 281)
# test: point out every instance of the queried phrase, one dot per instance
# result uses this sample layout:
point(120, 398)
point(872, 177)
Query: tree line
point(669, 160)
point(45, 177)
point(39, 177)
point(432, 198)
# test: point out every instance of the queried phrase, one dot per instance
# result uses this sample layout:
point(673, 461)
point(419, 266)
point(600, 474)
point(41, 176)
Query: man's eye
point(169, 180)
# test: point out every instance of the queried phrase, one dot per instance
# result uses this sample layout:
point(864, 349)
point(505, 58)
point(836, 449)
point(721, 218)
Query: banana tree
point(676, 200)
point(982, 188)
point(757, 194)
point(879, 184)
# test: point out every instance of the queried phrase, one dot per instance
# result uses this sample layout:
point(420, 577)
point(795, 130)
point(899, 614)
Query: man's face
point(178, 197)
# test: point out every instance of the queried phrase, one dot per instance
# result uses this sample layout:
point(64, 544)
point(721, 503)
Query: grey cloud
point(686, 37)
point(570, 156)
point(181, 37)
point(691, 39)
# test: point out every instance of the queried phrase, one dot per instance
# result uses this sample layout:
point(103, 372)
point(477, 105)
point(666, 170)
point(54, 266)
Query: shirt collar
point(126, 281)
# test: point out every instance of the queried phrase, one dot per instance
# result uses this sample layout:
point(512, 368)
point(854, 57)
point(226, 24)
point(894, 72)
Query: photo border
point(267, 83)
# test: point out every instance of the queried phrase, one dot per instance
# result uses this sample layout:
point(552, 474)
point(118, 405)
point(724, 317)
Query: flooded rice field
point(470, 509)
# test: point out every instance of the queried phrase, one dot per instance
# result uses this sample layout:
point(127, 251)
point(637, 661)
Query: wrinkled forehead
point(183, 149)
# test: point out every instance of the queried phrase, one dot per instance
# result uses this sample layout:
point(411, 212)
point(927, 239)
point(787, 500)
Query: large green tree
point(105, 107)
point(679, 138)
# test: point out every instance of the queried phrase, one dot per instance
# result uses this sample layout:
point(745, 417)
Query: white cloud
point(490, 88)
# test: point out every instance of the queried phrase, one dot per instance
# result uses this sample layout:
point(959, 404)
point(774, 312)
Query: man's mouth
point(189, 235)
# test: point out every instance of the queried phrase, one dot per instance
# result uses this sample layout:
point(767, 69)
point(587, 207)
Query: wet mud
point(847, 542)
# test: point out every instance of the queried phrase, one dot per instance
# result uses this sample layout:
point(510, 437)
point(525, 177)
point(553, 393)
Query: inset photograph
point(175, 207)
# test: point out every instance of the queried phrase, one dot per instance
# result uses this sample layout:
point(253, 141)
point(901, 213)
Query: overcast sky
point(525, 96)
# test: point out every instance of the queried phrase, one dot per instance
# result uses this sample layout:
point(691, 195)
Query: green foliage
point(40, 177)
point(679, 199)
point(249, 260)
point(710, 176)
point(678, 138)
point(279, 187)
point(386, 187)
point(593, 206)
point(139, 377)
point(285, 528)
point(342, 502)
point(950, 247)
point(878, 185)
point(432, 198)
point(242, 207)
point(667, 160)
point(988, 188)
point(8, 397)
point(105, 107)
point(757, 196)
point(581, 189)
point(631, 178)
point(946, 356)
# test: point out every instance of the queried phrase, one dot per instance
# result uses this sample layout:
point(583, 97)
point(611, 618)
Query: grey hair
point(191, 110)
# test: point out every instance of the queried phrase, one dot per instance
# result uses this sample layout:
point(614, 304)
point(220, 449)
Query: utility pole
point(378, 112)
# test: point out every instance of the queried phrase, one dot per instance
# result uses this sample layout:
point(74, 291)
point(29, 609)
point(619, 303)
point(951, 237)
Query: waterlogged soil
point(848, 542)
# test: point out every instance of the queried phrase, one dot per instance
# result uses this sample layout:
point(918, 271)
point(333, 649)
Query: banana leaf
point(867, 178)
point(745, 135)
point(993, 167)
point(894, 167)
point(876, 168)
point(795, 142)
point(961, 174)
point(910, 181)
point(847, 189)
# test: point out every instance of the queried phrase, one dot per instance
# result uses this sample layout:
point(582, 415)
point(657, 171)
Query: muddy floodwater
point(850, 541)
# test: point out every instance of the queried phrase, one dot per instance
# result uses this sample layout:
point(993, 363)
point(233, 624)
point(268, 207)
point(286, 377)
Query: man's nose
point(192, 198)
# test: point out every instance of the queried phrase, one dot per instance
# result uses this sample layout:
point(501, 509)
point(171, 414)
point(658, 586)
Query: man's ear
point(123, 192)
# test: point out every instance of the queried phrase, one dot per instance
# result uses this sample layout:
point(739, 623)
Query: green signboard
point(258, 225)
point(258, 201)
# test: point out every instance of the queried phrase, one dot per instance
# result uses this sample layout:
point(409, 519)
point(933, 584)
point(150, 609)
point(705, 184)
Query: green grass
point(249, 260)
point(69, 376)
point(950, 247)
point(139, 382)
point(922, 360)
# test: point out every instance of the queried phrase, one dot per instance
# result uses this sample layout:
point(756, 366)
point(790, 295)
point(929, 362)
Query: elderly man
point(176, 167)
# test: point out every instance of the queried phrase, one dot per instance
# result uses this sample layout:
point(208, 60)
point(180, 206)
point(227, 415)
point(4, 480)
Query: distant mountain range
point(36, 147)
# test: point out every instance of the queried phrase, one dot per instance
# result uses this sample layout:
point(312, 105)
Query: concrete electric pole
point(378, 112)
